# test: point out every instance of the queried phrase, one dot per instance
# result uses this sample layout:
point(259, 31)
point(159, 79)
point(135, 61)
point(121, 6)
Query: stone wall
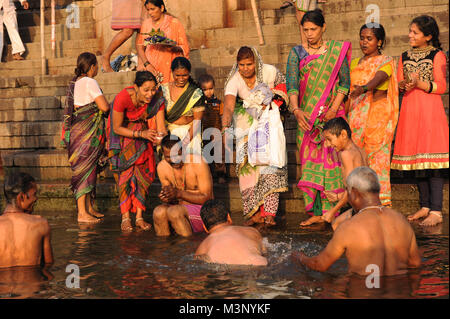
point(197, 16)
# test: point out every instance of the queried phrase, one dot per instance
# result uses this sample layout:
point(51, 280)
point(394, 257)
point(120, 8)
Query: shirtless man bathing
point(24, 239)
point(186, 185)
point(227, 244)
point(375, 235)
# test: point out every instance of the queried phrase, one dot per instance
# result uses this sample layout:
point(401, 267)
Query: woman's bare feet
point(87, 218)
point(270, 221)
point(125, 226)
point(434, 218)
point(142, 224)
point(423, 212)
point(255, 219)
point(106, 65)
point(312, 220)
point(96, 214)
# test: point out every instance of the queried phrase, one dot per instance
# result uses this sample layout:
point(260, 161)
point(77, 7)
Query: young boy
point(212, 119)
point(337, 134)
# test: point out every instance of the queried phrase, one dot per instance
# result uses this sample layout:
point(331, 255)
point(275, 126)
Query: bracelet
point(146, 63)
point(365, 88)
point(430, 84)
point(296, 109)
point(133, 134)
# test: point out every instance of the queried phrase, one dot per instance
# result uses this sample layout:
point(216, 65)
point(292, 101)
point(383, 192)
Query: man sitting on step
point(186, 185)
point(9, 18)
point(24, 239)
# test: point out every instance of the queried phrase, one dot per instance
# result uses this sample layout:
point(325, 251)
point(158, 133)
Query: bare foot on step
point(312, 220)
point(87, 218)
point(433, 219)
point(423, 212)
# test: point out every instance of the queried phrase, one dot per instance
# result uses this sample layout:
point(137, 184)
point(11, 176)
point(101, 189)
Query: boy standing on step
point(9, 18)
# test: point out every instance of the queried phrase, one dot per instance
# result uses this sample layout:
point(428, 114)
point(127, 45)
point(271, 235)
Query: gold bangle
point(296, 109)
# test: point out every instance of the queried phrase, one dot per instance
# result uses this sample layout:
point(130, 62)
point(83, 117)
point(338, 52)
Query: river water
point(141, 265)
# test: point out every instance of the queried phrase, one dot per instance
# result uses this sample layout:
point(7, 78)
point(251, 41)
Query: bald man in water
point(375, 235)
point(227, 244)
point(24, 239)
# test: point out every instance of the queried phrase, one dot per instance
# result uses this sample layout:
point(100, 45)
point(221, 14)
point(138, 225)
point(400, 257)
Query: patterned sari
point(259, 185)
point(190, 101)
point(373, 123)
point(319, 78)
point(83, 133)
point(132, 159)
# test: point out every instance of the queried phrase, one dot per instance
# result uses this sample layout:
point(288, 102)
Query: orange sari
point(161, 56)
point(373, 123)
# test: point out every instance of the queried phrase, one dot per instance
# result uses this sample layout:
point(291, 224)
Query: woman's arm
point(140, 48)
point(342, 90)
point(102, 104)
point(228, 110)
point(198, 115)
point(160, 126)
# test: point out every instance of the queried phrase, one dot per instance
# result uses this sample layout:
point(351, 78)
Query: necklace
point(183, 180)
point(369, 207)
point(315, 49)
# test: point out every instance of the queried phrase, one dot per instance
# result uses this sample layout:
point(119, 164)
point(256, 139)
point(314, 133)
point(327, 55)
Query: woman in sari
point(157, 58)
point(260, 185)
point(373, 110)
point(185, 106)
point(318, 80)
point(136, 123)
point(83, 134)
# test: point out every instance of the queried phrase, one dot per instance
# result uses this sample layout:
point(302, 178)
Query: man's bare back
point(379, 236)
point(234, 245)
point(23, 239)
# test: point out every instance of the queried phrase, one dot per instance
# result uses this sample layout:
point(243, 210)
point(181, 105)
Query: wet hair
point(144, 76)
point(314, 16)
point(206, 78)
point(428, 26)
point(245, 53)
point(364, 179)
point(336, 125)
point(379, 33)
point(17, 183)
point(156, 3)
point(170, 140)
point(213, 212)
point(84, 62)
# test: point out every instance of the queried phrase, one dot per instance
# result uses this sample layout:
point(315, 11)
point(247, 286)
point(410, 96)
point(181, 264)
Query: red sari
point(132, 159)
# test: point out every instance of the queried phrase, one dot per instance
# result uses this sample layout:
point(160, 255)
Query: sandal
point(126, 229)
point(145, 227)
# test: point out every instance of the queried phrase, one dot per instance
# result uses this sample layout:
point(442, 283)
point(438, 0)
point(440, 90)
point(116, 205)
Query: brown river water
point(141, 265)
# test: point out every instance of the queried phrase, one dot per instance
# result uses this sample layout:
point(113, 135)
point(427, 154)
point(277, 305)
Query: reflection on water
point(140, 265)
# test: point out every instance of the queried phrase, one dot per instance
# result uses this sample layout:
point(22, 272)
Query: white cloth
point(9, 19)
point(237, 87)
point(86, 91)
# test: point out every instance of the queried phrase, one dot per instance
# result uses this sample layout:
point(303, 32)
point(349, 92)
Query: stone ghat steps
point(58, 196)
point(31, 17)
point(63, 49)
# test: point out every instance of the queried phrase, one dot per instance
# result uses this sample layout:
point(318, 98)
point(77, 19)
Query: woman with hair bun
point(135, 125)
point(84, 134)
point(421, 144)
point(318, 79)
point(373, 110)
point(157, 57)
point(185, 106)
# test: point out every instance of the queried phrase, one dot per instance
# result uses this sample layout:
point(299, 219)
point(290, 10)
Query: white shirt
point(86, 91)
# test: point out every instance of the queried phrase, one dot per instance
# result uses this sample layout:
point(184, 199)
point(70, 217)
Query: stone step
point(31, 17)
point(33, 33)
point(27, 142)
point(66, 48)
point(29, 128)
point(57, 195)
